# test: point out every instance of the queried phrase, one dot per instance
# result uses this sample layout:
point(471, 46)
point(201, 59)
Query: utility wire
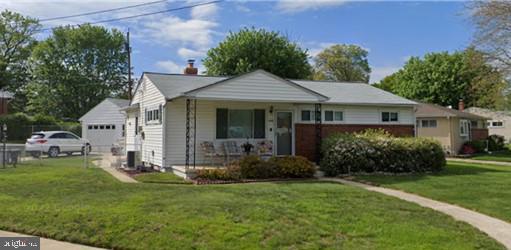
point(100, 11)
point(140, 15)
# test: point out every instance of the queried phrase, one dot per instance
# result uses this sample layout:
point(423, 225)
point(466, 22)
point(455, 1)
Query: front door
point(284, 133)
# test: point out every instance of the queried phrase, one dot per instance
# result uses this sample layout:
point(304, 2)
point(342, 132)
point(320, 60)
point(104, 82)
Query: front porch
point(221, 131)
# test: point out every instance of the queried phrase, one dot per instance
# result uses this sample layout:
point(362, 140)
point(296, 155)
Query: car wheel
point(53, 152)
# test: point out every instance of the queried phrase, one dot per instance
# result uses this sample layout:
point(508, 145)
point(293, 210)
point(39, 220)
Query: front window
point(464, 127)
point(331, 116)
point(428, 123)
point(495, 124)
point(389, 116)
point(240, 123)
point(307, 115)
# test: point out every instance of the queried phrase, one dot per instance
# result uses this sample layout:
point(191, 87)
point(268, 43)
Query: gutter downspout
point(164, 135)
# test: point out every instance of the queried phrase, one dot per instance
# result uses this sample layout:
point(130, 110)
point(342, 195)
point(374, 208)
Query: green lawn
point(62, 200)
point(504, 156)
point(164, 178)
point(484, 188)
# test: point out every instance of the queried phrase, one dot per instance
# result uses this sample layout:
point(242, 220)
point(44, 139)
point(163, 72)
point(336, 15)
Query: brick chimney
point(190, 70)
point(461, 105)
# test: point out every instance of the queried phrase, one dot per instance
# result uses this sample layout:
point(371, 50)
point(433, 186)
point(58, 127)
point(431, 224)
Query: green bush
point(225, 174)
point(376, 152)
point(20, 126)
point(293, 167)
point(472, 147)
point(496, 143)
point(252, 167)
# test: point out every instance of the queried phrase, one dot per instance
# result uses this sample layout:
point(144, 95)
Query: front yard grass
point(480, 187)
point(163, 178)
point(63, 200)
point(504, 156)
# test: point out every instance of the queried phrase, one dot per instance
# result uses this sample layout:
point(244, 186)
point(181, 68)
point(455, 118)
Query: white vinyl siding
point(257, 86)
point(152, 141)
point(362, 114)
point(104, 114)
point(206, 125)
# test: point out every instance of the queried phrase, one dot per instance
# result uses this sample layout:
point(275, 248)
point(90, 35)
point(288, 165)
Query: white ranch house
point(104, 125)
point(172, 116)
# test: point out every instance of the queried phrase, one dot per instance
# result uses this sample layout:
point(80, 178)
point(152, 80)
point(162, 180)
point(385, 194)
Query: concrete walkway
point(49, 244)
point(106, 163)
point(495, 228)
point(479, 161)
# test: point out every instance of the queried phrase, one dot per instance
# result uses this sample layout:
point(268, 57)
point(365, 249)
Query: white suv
point(54, 143)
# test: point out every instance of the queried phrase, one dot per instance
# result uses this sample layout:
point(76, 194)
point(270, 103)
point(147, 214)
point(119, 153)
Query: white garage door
point(102, 136)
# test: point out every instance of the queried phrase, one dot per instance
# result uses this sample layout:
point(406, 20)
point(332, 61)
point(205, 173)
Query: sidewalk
point(495, 228)
point(49, 244)
point(479, 161)
point(106, 164)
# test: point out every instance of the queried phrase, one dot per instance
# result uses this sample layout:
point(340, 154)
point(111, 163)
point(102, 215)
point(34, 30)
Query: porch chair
point(210, 151)
point(264, 148)
point(232, 150)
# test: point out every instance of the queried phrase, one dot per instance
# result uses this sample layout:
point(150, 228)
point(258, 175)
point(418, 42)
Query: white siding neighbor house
point(104, 125)
point(179, 120)
point(499, 122)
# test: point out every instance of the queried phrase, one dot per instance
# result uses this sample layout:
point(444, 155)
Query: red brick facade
point(479, 133)
point(305, 134)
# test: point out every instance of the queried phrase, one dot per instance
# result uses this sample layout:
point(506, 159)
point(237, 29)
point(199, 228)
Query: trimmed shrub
point(496, 143)
point(225, 174)
point(376, 152)
point(293, 167)
point(252, 167)
point(472, 147)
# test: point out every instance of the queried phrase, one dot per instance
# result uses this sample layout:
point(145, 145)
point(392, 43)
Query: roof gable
point(258, 85)
point(107, 109)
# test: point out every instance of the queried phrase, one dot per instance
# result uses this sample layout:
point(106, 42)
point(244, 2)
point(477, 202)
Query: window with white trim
point(333, 116)
point(389, 116)
point(464, 128)
point(495, 124)
point(153, 115)
point(428, 123)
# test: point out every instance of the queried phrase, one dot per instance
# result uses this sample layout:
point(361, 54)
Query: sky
point(391, 31)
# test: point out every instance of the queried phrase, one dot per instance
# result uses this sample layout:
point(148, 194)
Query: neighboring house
point(104, 125)
point(172, 114)
point(449, 126)
point(499, 122)
point(5, 98)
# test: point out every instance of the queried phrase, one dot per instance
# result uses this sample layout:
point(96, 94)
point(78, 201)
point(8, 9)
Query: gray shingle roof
point(433, 110)
point(174, 85)
point(119, 102)
point(353, 93)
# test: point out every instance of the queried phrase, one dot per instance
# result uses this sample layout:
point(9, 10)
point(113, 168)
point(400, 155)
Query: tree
point(251, 49)
point(444, 78)
point(493, 25)
point(16, 44)
point(342, 62)
point(75, 69)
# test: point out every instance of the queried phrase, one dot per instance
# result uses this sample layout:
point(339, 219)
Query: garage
point(104, 125)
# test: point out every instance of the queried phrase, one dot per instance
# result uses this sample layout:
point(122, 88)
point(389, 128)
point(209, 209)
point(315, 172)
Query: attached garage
point(104, 125)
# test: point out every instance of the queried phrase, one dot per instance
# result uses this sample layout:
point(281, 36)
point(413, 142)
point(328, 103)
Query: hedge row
point(20, 126)
point(492, 143)
point(376, 151)
point(253, 167)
